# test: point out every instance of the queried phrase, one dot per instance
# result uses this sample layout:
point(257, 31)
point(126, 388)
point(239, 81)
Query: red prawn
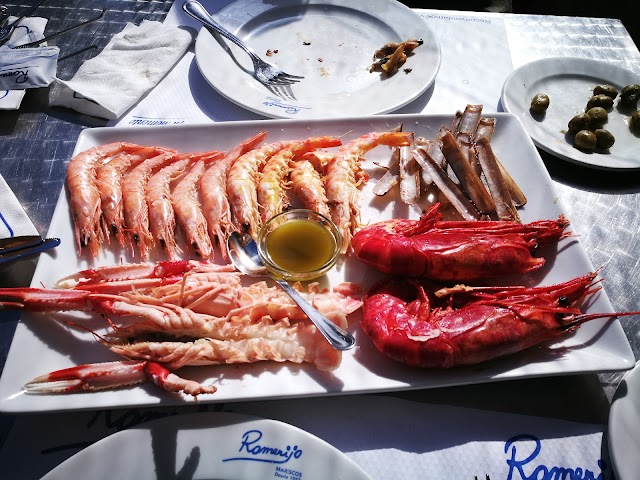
point(469, 325)
point(455, 250)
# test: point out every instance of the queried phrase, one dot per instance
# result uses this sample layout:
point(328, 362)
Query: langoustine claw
point(102, 376)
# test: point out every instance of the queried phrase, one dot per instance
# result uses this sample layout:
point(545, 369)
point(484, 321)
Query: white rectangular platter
point(42, 345)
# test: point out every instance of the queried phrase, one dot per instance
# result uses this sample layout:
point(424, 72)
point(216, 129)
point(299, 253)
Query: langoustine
point(272, 184)
point(213, 190)
point(84, 196)
point(468, 325)
point(109, 183)
point(162, 218)
point(189, 313)
point(344, 175)
point(455, 250)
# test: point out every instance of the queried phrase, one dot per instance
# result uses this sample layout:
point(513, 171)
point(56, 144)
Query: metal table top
point(37, 141)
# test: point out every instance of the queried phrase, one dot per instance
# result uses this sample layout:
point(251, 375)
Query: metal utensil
point(264, 72)
point(7, 30)
point(243, 252)
point(61, 32)
point(4, 15)
point(15, 248)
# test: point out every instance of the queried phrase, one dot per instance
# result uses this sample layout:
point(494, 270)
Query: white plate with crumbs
point(569, 83)
point(624, 426)
point(43, 343)
point(217, 445)
point(331, 43)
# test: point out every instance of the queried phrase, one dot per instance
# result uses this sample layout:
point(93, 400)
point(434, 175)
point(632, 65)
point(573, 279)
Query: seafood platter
point(446, 277)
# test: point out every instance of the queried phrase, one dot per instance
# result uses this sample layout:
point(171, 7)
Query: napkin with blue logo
point(14, 221)
point(132, 63)
point(24, 68)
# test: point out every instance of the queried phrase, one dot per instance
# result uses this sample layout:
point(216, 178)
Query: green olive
point(540, 103)
point(599, 117)
point(629, 95)
point(604, 138)
point(579, 122)
point(601, 100)
point(585, 140)
point(606, 89)
point(634, 122)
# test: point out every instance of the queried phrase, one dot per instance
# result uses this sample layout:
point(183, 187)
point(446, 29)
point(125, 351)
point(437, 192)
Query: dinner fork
point(7, 30)
point(264, 72)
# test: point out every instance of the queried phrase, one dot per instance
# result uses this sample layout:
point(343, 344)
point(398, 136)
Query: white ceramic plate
point(329, 42)
point(569, 83)
point(41, 345)
point(624, 423)
point(217, 445)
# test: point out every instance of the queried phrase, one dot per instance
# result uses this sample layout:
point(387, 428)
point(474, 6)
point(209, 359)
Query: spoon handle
point(337, 337)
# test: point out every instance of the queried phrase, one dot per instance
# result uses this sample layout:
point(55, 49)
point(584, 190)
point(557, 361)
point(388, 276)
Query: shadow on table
point(592, 179)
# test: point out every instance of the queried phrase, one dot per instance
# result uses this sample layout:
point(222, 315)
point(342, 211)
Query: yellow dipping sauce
point(300, 245)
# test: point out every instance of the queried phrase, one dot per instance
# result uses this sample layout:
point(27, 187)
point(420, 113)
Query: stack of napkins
point(133, 62)
point(24, 68)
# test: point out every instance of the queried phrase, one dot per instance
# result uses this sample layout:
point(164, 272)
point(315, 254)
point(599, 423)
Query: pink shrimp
point(84, 196)
point(307, 184)
point(272, 185)
point(136, 211)
point(109, 182)
point(242, 179)
point(344, 175)
point(213, 192)
point(186, 206)
point(162, 220)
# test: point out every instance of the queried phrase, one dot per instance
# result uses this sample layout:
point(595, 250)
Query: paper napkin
point(14, 221)
point(28, 67)
point(133, 62)
point(389, 438)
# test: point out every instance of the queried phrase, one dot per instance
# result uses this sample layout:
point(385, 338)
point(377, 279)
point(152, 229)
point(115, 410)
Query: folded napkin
point(133, 62)
point(14, 221)
point(26, 67)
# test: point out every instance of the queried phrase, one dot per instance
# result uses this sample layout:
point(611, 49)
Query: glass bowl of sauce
point(299, 244)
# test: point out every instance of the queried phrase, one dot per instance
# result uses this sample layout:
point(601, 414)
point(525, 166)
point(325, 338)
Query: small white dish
point(569, 83)
point(329, 42)
point(210, 445)
point(624, 426)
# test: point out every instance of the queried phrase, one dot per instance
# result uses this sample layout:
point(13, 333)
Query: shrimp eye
point(136, 237)
point(246, 227)
point(114, 229)
point(563, 301)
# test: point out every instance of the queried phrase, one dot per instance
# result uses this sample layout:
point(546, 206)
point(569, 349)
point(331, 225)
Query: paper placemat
point(389, 438)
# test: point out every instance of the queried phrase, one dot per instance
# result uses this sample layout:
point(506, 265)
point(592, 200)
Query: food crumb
point(306, 43)
point(407, 70)
point(271, 52)
point(320, 60)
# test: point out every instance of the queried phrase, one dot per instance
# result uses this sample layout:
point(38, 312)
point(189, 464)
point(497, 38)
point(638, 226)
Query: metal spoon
point(243, 252)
